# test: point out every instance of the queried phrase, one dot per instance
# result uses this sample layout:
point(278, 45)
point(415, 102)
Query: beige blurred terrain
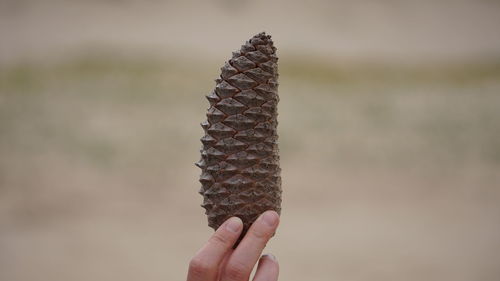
point(389, 136)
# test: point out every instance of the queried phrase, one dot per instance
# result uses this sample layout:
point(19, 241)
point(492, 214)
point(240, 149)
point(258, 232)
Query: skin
point(217, 261)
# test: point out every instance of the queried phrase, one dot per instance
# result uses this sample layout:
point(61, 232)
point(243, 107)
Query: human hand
point(217, 261)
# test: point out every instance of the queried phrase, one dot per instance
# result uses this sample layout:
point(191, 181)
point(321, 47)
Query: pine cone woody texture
point(239, 157)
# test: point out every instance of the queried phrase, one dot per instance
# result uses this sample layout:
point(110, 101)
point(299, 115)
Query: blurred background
point(389, 136)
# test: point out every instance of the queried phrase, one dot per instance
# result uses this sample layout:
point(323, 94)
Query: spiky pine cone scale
point(239, 157)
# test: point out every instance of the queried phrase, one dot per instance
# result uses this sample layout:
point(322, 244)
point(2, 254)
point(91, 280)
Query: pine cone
point(239, 157)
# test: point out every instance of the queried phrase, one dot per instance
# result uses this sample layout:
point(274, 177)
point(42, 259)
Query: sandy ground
point(387, 174)
point(388, 128)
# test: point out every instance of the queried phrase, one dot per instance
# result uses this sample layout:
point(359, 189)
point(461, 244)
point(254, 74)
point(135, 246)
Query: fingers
point(268, 269)
point(204, 265)
point(223, 263)
point(244, 257)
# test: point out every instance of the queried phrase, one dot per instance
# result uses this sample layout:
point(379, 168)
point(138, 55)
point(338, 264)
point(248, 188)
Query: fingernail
point(234, 224)
point(270, 218)
point(270, 256)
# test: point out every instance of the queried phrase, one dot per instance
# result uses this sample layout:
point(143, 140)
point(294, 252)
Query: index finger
point(204, 265)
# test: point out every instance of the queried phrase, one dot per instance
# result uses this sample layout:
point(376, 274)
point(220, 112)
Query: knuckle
point(219, 239)
point(260, 234)
point(237, 271)
point(199, 267)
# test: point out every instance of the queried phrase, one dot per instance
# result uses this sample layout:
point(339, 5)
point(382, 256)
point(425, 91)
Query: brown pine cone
point(239, 157)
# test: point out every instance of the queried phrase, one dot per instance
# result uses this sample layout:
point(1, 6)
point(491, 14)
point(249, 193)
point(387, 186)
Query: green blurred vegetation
point(111, 110)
